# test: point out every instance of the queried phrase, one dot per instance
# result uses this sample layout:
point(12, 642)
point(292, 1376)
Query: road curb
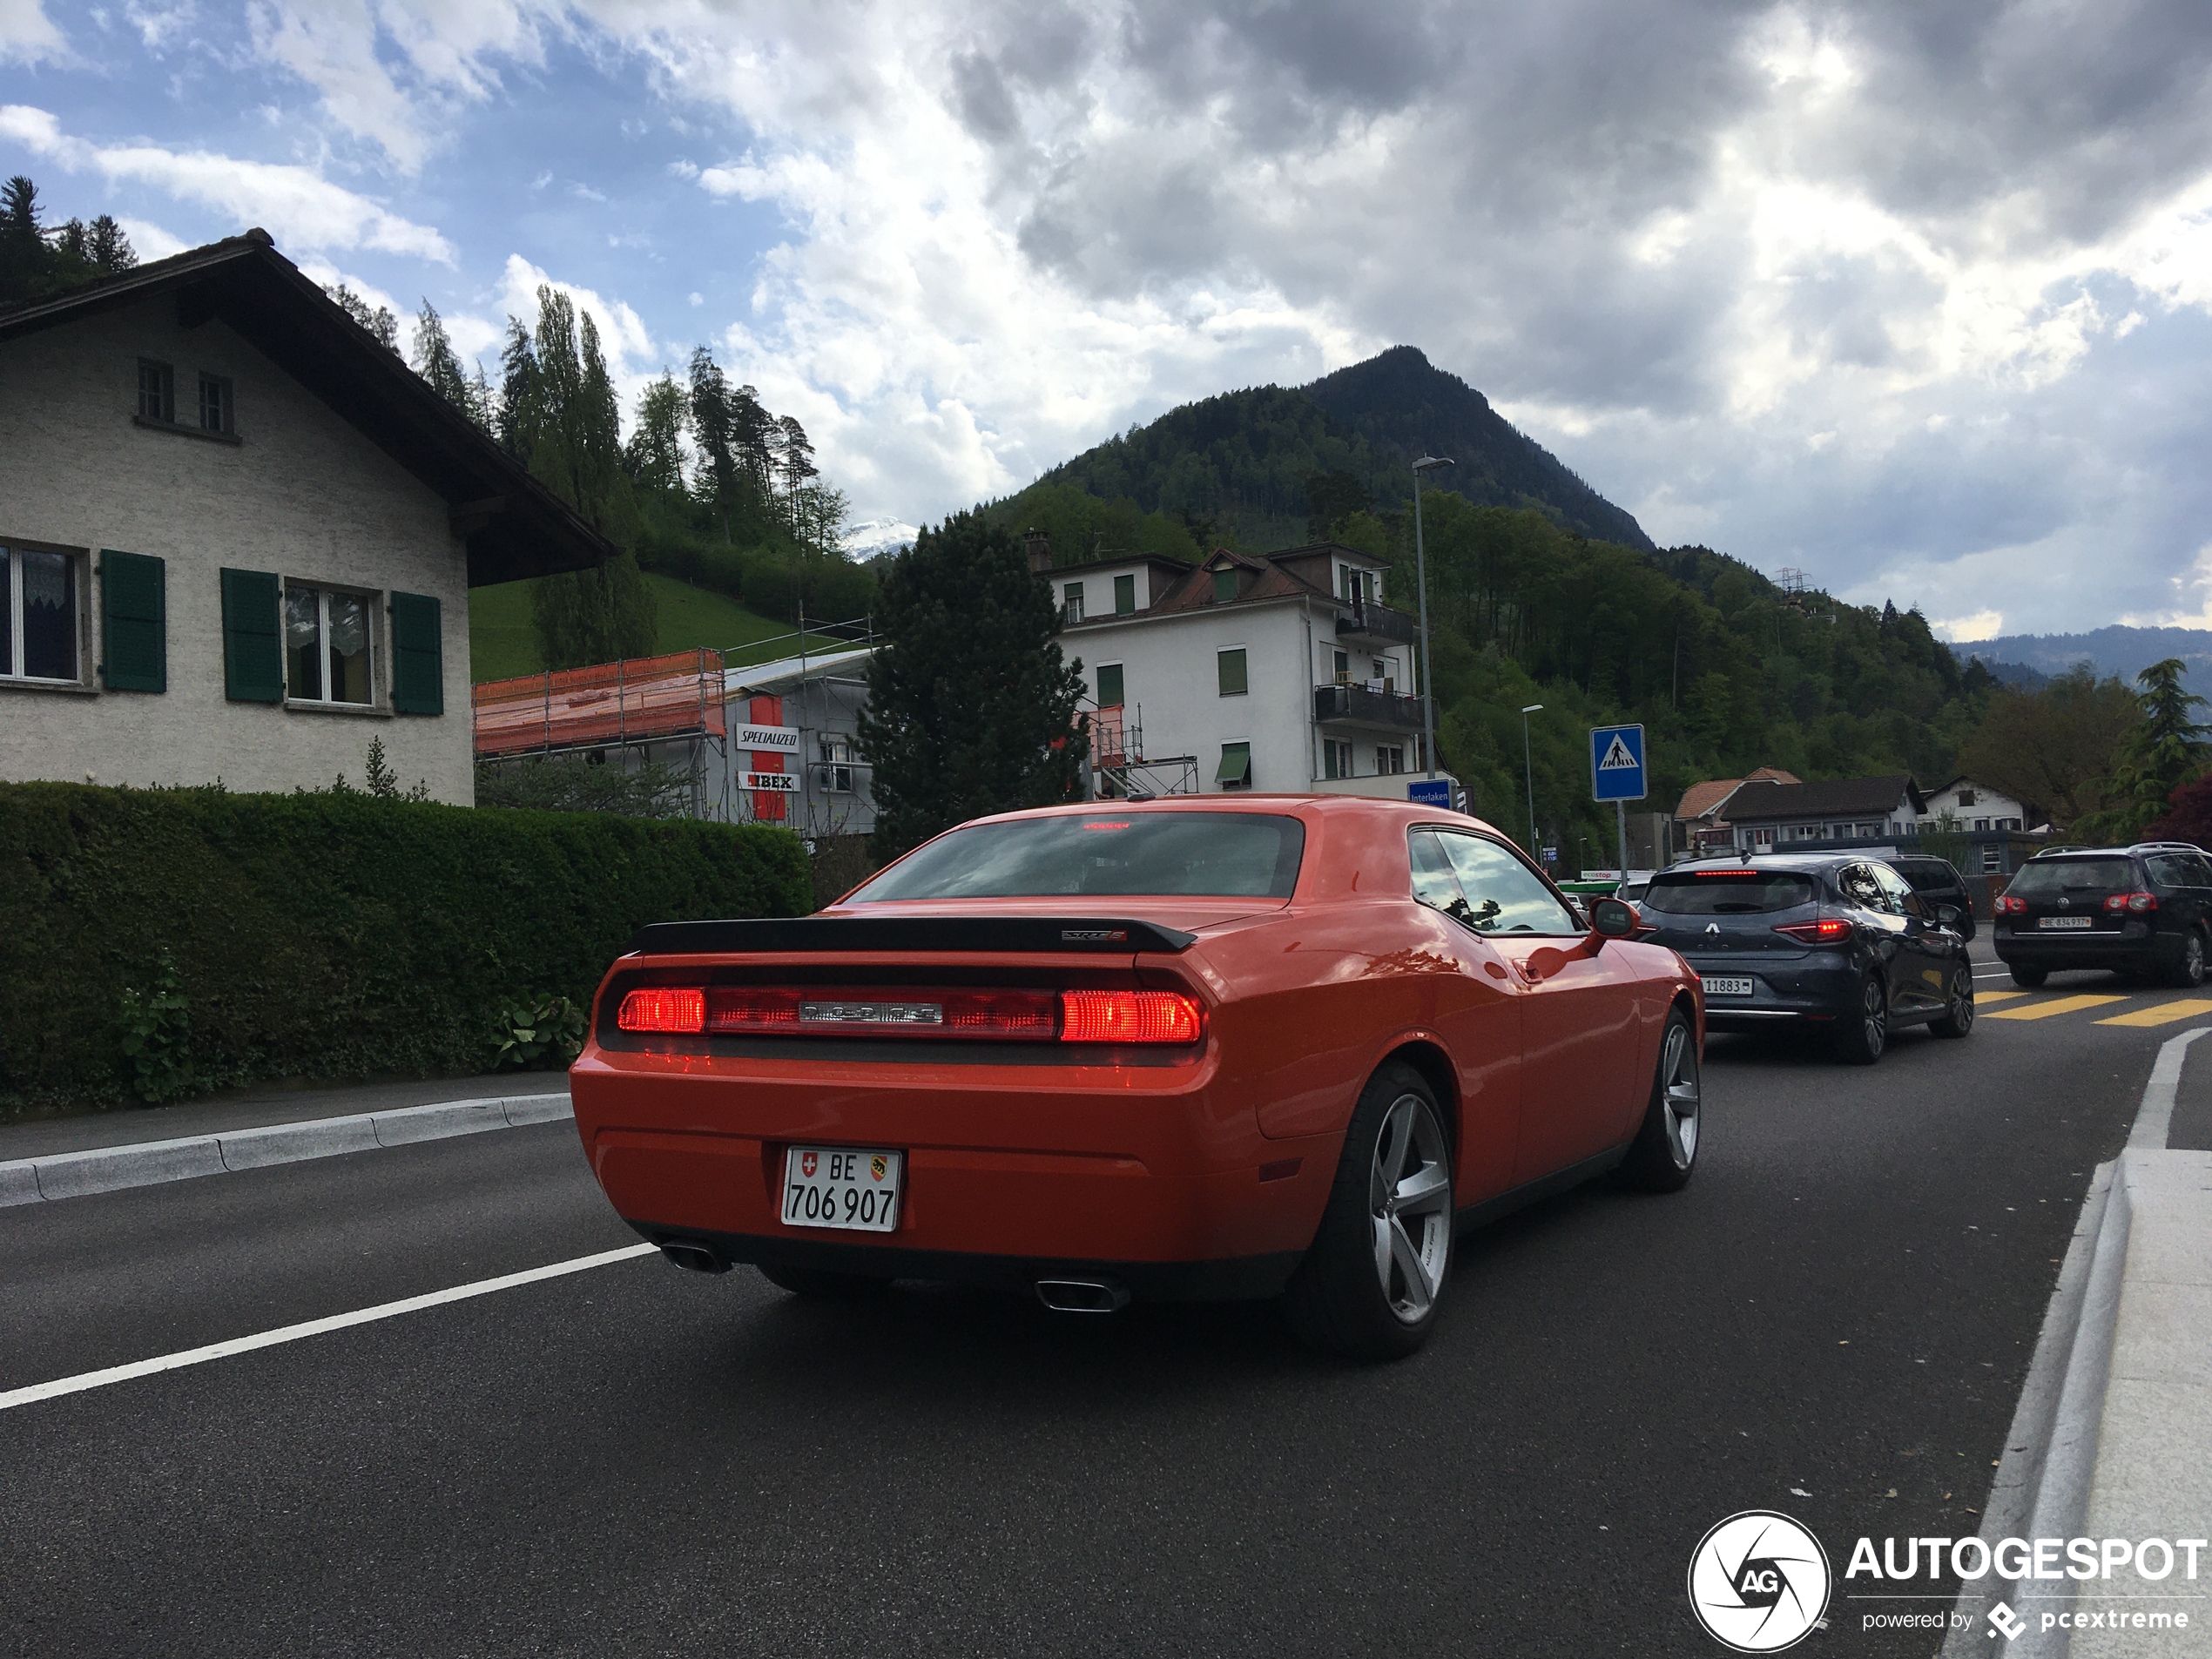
point(109, 1168)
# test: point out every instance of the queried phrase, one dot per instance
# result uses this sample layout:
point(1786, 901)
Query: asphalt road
point(1833, 1320)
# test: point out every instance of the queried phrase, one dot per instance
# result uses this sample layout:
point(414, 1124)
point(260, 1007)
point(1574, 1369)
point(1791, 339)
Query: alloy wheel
point(1877, 1010)
point(1410, 1203)
point(1962, 999)
point(1679, 1095)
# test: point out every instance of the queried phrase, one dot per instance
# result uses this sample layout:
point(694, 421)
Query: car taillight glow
point(664, 1008)
point(1128, 1016)
point(2137, 903)
point(1829, 930)
point(1001, 1014)
point(743, 1010)
point(2008, 906)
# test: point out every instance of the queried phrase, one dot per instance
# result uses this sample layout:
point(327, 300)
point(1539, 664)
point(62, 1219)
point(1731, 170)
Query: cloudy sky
point(1916, 297)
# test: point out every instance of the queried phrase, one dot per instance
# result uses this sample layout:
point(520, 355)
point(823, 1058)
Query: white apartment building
point(237, 536)
point(1280, 672)
point(1965, 804)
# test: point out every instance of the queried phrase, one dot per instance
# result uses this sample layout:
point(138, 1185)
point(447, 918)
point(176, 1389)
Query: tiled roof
point(1838, 798)
point(1267, 580)
point(1700, 799)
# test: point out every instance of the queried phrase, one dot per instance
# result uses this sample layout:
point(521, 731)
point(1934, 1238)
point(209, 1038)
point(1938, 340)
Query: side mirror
point(1612, 918)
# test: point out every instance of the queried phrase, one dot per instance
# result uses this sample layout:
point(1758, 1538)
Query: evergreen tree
point(378, 321)
point(24, 257)
point(517, 422)
point(971, 708)
point(2164, 750)
point(109, 249)
point(438, 363)
point(655, 454)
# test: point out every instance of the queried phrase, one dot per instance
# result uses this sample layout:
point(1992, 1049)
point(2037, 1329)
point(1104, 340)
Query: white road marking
point(2154, 1117)
point(310, 1328)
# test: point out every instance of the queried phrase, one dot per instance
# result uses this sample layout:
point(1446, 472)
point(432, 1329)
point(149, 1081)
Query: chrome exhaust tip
point(694, 1257)
point(1081, 1295)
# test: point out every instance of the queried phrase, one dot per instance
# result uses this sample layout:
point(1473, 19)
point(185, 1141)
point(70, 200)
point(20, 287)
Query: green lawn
point(503, 644)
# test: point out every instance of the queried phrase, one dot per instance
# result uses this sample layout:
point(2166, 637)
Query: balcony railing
point(1371, 620)
point(1361, 706)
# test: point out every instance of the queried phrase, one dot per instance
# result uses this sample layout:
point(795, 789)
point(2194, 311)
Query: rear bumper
point(2057, 952)
point(1224, 1279)
point(1815, 987)
point(1157, 1177)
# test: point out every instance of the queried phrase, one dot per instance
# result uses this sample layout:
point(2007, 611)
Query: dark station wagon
point(2145, 911)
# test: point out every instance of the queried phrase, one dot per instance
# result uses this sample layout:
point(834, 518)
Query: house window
point(1235, 769)
point(214, 403)
point(157, 391)
point(326, 646)
point(1343, 667)
point(1224, 586)
point(40, 639)
point(1966, 797)
point(1336, 759)
point(1763, 836)
point(1109, 685)
point(1124, 596)
point(1981, 823)
point(1358, 586)
point(1993, 860)
point(1229, 669)
point(1390, 759)
point(2008, 823)
point(1071, 603)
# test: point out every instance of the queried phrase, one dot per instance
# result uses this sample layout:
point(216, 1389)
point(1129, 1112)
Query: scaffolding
point(1118, 756)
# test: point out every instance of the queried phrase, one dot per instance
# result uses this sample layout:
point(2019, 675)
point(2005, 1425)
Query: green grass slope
point(503, 644)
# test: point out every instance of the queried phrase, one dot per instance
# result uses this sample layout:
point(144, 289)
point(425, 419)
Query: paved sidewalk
point(255, 1108)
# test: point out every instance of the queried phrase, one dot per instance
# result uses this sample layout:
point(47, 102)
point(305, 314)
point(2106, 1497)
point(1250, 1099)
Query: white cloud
point(1983, 625)
point(299, 208)
point(149, 241)
point(27, 35)
point(2194, 588)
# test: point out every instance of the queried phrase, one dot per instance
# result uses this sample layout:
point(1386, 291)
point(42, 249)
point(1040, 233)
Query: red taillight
point(1001, 1014)
point(660, 1009)
point(1829, 930)
point(739, 1010)
point(1128, 1016)
point(2008, 906)
point(2135, 903)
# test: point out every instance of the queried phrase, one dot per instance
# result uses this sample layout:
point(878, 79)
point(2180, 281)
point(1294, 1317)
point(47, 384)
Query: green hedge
point(327, 935)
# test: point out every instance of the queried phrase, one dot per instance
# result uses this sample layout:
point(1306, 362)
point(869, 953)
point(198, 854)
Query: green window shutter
point(1124, 596)
point(1236, 765)
point(134, 622)
point(252, 644)
point(418, 656)
point(1228, 667)
point(1109, 685)
point(1225, 585)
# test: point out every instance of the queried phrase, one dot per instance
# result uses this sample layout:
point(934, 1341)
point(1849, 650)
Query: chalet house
point(1768, 817)
point(237, 536)
point(1276, 672)
point(1965, 804)
point(1700, 817)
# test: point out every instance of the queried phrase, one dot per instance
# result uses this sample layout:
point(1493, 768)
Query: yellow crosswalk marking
point(1996, 996)
point(2185, 1007)
point(2049, 1006)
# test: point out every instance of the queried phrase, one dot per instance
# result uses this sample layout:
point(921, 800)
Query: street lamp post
point(1528, 772)
point(1426, 463)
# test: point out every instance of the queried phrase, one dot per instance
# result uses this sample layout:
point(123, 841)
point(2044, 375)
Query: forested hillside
point(2116, 651)
point(1234, 469)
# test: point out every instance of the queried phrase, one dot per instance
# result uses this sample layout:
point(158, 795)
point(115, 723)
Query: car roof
point(1802, 863)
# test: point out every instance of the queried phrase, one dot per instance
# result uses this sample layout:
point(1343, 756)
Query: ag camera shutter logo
point(1759, 1582)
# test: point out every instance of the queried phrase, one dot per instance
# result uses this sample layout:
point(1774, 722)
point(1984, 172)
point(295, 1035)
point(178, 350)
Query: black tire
point(2187, 971)
point(1344, 1298)
point(1958, 1018)
point(2029, 979)
point(1665, 1153)
point(819, 1284)
point(1862, 1036)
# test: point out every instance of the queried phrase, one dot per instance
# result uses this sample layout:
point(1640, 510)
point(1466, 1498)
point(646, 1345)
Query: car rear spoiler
point(806, 934)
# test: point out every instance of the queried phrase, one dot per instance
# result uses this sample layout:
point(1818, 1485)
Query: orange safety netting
point(625, 702)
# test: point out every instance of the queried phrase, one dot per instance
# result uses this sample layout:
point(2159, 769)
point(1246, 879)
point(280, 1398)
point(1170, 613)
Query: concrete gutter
point(74, 1174)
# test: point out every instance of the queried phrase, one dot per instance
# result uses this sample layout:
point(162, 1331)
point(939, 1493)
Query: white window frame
point(1071, 602)
point(1338, 760)
point(372, 604)
point(11, 610)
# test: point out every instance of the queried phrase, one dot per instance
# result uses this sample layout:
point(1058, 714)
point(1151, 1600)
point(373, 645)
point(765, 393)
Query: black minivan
point(1837, 942)
point(2143, 910)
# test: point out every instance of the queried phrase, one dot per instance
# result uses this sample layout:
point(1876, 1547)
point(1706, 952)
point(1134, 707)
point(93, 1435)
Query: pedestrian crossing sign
point(1616, 763)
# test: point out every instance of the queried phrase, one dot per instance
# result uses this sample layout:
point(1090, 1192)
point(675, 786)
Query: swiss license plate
point(2064, 921)
point(852, 1187)
point(1717, 987)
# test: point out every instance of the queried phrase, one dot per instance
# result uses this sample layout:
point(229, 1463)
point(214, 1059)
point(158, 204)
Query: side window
point(2169, 870)
point(2200, 872)
point(1503, 895)
point(1899, 893)
point(1859, 887)
point(1434, 882)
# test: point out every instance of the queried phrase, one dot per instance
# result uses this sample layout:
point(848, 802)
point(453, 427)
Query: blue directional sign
point(1616, 763)
point(1431, 791)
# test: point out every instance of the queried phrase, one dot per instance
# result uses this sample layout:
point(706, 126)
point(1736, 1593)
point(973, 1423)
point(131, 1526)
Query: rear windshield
point(1726, 893)
point(2074, 875)
point(1244, 855)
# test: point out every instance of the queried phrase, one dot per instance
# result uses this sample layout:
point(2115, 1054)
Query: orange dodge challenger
point(1190, 1049)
